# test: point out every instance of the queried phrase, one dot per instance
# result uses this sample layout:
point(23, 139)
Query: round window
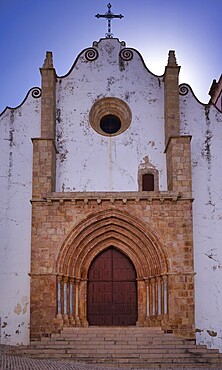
point(110, 124)
point(110, 116)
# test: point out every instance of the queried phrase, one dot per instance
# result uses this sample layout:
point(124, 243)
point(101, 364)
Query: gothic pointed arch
point(93, 235)
point(111, 227)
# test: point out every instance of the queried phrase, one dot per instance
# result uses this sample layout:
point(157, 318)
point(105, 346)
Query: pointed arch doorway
point(112, 290)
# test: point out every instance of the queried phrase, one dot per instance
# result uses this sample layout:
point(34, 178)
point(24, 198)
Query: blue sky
point(29, 28)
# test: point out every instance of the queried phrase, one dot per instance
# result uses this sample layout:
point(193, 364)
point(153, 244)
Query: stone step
point(108, 336)
point(110, 333)
point(114, 353)
point(103, 337)
point(122, 343)
point(116, 341)
point(153, 346)
point(128, 347)
point(120, 329)
point(122, 353)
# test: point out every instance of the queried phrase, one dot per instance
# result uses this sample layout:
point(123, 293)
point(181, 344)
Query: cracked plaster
point(117, 158)
point(17, 127)
point(204, 123)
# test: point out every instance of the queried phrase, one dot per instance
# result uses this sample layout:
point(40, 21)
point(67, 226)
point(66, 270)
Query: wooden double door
point(112, 290)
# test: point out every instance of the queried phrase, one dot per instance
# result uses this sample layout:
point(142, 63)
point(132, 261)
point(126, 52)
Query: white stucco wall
point(204, 123)
point(88, 161)
point(17, 127)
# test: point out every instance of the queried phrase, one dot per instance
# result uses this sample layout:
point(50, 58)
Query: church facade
point(111, 203)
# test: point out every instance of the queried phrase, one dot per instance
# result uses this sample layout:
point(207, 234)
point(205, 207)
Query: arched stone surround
point(96, 233)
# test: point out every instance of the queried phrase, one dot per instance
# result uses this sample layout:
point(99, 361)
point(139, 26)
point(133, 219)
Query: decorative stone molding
point(91, 54)
point(183, 89)
point(36, 92)
point(147, 168)
point(120, 226)
point(110, 106)
point(126, 54)
point(113, 197)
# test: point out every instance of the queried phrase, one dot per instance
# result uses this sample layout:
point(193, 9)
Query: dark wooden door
point(112, 290)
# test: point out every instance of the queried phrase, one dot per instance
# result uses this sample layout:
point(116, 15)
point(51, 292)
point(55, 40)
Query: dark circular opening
point(110, 124)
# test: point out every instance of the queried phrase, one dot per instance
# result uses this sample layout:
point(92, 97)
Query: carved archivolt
point(111, 228)
point(90, 237)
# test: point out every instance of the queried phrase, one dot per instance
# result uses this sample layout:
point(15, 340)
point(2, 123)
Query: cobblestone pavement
point(25, 363)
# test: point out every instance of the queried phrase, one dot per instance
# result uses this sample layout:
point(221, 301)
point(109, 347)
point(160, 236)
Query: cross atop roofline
point(109, 16)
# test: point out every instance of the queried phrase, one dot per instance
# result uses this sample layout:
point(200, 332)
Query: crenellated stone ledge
point(113, 197)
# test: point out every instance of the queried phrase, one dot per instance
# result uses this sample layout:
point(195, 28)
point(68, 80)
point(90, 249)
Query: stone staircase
point(132, 347)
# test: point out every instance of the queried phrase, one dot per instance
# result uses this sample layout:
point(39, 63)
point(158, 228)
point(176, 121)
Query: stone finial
point(172, 58)
point(213, 87)
point(48, 62)
point(216, 93)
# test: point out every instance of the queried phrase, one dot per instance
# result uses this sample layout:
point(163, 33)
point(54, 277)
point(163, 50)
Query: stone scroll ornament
point(36, 92)
point(183, 90)
point(91, 54)
point(126, 54)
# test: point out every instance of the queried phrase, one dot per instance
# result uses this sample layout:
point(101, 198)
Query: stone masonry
point(153, 229)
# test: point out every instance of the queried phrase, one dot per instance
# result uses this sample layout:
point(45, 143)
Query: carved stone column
point(65, 301)
point(76, 295)
point(58, 321)
point(141, 291)
point(71, 301)
point(153, 295)
point(147, 297)
point(165, 294)
point(159, 295)
point(83, 303)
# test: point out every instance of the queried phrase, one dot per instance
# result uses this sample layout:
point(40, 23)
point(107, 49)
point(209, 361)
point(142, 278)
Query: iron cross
point(109, 16)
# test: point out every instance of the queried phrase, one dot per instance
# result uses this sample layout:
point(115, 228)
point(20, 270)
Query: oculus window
point(110, 116)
